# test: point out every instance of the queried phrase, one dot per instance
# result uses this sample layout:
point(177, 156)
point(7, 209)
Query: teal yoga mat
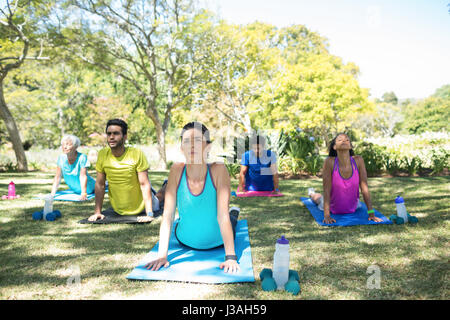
point(201, 266)
point(68, 195)
point(359, 217)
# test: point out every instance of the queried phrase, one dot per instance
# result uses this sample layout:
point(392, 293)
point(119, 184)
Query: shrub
point(313, 164)
point(392, 163)
point(233, 168)
point(412, 164)
point(374, 157)
point(439, 160)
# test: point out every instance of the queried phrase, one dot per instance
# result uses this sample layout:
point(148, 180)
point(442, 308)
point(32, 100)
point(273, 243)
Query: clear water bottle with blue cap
point(281, 262)
point(401, 209)
point(48, 205)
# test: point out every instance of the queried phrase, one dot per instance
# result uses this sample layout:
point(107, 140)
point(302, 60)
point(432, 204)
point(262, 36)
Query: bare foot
point(145, 219)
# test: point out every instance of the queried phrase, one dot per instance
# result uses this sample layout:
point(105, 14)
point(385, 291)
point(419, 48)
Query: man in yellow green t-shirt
point(126, 169)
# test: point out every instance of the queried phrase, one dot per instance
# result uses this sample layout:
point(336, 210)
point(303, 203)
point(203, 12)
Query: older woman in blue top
point(72, 165)
point(258, 168)
point(201, 192)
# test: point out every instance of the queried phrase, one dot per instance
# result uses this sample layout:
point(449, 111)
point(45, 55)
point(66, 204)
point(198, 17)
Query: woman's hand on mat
point(376, 219)
point(276, 191)
point(83, 197)
point(156, 264)
point(96, 216)
point(230, 266)
point(328, 219)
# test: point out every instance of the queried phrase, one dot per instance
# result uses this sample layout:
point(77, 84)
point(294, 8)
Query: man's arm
point(146, 190)
point(242, 174)
point(99, 196)
point(274, 169)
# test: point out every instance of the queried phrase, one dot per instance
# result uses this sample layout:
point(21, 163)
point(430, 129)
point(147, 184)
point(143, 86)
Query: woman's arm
point(56, 181)
point(326, 179)
point(170, 201)
point(83, 183)
point(221, 180)
point(364, 186)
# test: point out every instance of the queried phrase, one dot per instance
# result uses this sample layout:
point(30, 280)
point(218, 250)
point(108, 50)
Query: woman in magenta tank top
point(343, 175)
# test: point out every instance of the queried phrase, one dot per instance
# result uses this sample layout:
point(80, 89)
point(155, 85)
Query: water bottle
point(281, 262)
point(48, 205)
point(401, 209)
point(11, 190)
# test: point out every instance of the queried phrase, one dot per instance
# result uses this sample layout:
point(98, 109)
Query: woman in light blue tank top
point(72, 165)
point(201, 192)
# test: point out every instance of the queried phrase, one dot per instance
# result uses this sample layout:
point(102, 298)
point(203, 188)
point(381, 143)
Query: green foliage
point(233, 168)
point(373, 156)
point(300, 154)
point(313, 164)
point(440, 160)
point(412, 164)
point(390, 97)
point(430, 114)
point(392, 163)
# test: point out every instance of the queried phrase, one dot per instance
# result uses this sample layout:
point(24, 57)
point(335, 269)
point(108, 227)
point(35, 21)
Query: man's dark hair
point(257, 139)
point(118, 122)
point(332, 152)
point(199, 126)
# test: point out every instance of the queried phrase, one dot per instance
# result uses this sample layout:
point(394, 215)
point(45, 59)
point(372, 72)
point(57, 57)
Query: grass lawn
point(38, 257)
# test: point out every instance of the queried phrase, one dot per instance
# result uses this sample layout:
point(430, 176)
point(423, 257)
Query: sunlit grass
point(39, 258)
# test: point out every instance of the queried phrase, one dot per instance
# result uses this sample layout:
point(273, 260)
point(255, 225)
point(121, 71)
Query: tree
point(319, 93)
point(18, 29)
point(151, 45)
point(235, 71)
point(390, 97)
point(430, 114)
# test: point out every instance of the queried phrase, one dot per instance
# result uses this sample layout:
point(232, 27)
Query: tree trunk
point(161, 139)
point(152, 113)
point(13, 132)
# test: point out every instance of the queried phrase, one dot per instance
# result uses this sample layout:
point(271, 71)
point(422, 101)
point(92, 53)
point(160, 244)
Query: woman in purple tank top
point(343, 175)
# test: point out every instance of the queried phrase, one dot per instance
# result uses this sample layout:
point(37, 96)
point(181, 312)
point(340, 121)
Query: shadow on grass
point(332, 262)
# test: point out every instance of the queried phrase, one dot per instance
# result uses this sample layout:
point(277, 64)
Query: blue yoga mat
point(69, 195)
point(202, 266)
point(359, 217)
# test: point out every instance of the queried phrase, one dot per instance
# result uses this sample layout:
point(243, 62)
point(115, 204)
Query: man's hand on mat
point(376, 219)
point(156, 264)
point(96, 216)
point(230, 266)
point(328, 219)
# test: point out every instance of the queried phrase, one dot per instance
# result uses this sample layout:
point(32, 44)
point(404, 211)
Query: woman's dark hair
point(332, 152)
point(199, 126)
point(257, 139)
point(118, 122)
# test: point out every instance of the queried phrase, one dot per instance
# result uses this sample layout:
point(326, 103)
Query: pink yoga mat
point(257, 194)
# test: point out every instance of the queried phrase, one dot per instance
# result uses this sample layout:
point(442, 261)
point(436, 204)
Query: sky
point(399, 45)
